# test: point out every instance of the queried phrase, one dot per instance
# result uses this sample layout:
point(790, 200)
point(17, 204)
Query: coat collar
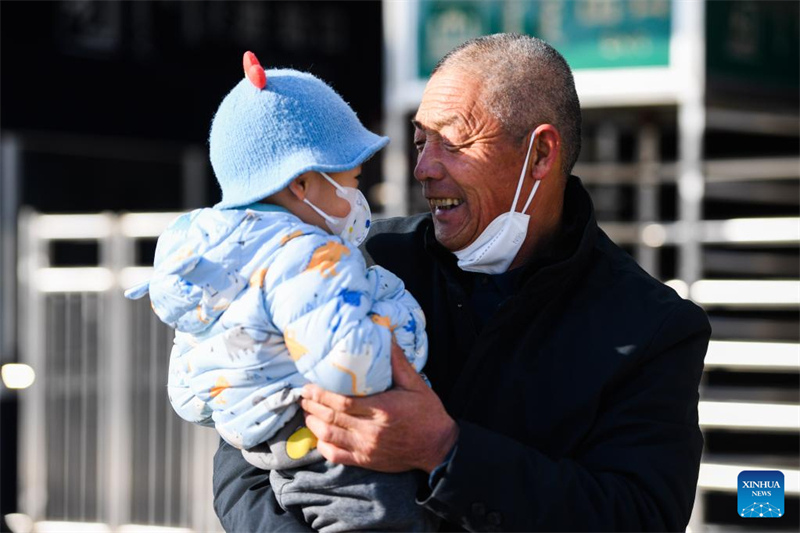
point(563, 261)
point(543, 289)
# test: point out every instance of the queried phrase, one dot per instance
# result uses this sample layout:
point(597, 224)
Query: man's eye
point(419, 144)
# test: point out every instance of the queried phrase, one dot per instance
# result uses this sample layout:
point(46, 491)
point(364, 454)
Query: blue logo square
point(760, 494)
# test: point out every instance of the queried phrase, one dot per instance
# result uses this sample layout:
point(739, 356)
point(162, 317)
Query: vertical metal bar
point(100, 378)
point(116, 252)
point(197, 478)
point(690, 33)
point(102, 415)
point(52, 385)
point(399, 25)
point(152, 424)
point(85, 391)
point(607, 151)
point(32, 446)
point(9, 202)
point(186, 457)
point(647, 193)
point(169, 458)
point(66, 401)
point(140, 390)
point(169, 422)
point(395, 187)
point(136, 429)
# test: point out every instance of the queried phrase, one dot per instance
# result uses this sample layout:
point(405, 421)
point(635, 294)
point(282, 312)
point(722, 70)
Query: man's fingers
point(336, 455)
point(327, 414)
point(328, 433)
point(403, 374)
point(331, 399)
point(337, 402)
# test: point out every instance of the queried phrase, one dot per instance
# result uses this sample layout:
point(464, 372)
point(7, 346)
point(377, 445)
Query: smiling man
point(564, 378)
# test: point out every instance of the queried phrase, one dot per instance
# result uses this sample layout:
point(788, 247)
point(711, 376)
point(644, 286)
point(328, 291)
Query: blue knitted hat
point(261, 139)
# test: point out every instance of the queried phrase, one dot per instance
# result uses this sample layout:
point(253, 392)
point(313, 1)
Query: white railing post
point(399, 41)
point(690, 33)
point(32, 449)
point(116, 253)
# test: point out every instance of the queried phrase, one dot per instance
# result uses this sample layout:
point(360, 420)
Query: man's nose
point(429, 164)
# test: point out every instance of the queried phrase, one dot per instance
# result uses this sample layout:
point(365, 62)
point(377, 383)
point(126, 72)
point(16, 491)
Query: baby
point(267, 291)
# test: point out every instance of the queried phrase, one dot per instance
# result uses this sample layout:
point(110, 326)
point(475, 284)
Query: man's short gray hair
point(526, 83)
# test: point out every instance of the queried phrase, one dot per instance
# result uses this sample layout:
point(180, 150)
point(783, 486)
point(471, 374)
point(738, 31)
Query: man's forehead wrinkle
point(431, 123)
point(465, 122)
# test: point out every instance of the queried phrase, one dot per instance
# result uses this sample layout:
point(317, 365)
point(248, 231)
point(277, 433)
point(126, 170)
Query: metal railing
point(99, 441)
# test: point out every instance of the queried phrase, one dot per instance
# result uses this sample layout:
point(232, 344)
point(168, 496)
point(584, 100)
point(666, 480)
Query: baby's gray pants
point(335, 498)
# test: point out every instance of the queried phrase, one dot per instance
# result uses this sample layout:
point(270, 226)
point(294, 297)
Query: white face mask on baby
point(354, 227)
point(497, 246)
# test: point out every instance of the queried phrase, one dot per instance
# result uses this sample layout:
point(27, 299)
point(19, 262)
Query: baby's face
point(323, 194)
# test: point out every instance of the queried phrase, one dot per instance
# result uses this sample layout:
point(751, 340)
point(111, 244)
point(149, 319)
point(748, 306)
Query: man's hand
point(401, 429)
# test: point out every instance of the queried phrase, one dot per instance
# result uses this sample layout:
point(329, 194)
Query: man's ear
point(546, 152)
point(299, 187)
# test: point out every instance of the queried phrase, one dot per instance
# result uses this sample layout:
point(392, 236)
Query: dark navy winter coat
point(576, 400)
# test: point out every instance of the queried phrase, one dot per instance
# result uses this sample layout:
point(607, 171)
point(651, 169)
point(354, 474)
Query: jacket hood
point(202, 262)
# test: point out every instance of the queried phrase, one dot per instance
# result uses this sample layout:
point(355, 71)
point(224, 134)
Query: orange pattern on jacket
point(220, 385)
point(293, 235)
point(382, 321)
point(182, 253)
point(296, 350)
point(326, 257)
point(353, 380)
point(257, 279)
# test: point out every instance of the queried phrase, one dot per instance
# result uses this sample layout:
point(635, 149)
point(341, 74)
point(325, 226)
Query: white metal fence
point(99, 441)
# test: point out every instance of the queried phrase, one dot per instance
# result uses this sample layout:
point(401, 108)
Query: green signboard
point(443, 25)
point(589, 33)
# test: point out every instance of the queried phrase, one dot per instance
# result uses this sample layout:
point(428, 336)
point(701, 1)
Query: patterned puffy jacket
point(263, 303)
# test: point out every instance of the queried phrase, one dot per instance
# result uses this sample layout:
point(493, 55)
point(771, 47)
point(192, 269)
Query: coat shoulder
point(391, 240)
point(622, 296)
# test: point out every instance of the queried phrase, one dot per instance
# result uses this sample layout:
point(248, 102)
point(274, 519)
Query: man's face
point(468, 166)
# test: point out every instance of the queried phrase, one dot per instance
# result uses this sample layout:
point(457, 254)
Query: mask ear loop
point(341, 192)
point(320, 212)
point(530, 198)
point(333, 181)
point(522, 179)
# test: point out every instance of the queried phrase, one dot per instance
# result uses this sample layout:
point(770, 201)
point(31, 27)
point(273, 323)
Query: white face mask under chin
point(353, 227)
point(497, 246)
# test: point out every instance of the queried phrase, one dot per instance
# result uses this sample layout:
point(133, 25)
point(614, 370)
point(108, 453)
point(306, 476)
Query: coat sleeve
point(182, 398)
point(637, 470)
point(336, 326)
point(404, 312)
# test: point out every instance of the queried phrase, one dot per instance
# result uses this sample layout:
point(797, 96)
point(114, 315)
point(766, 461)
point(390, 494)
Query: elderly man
point(564, 377)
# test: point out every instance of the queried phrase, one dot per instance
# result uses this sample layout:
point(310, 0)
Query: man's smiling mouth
point(444, 204)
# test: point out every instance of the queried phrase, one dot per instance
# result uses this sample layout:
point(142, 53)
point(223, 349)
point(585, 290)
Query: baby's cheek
point(338, 207)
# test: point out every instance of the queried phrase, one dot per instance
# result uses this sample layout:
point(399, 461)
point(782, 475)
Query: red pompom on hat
point(253, 70)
